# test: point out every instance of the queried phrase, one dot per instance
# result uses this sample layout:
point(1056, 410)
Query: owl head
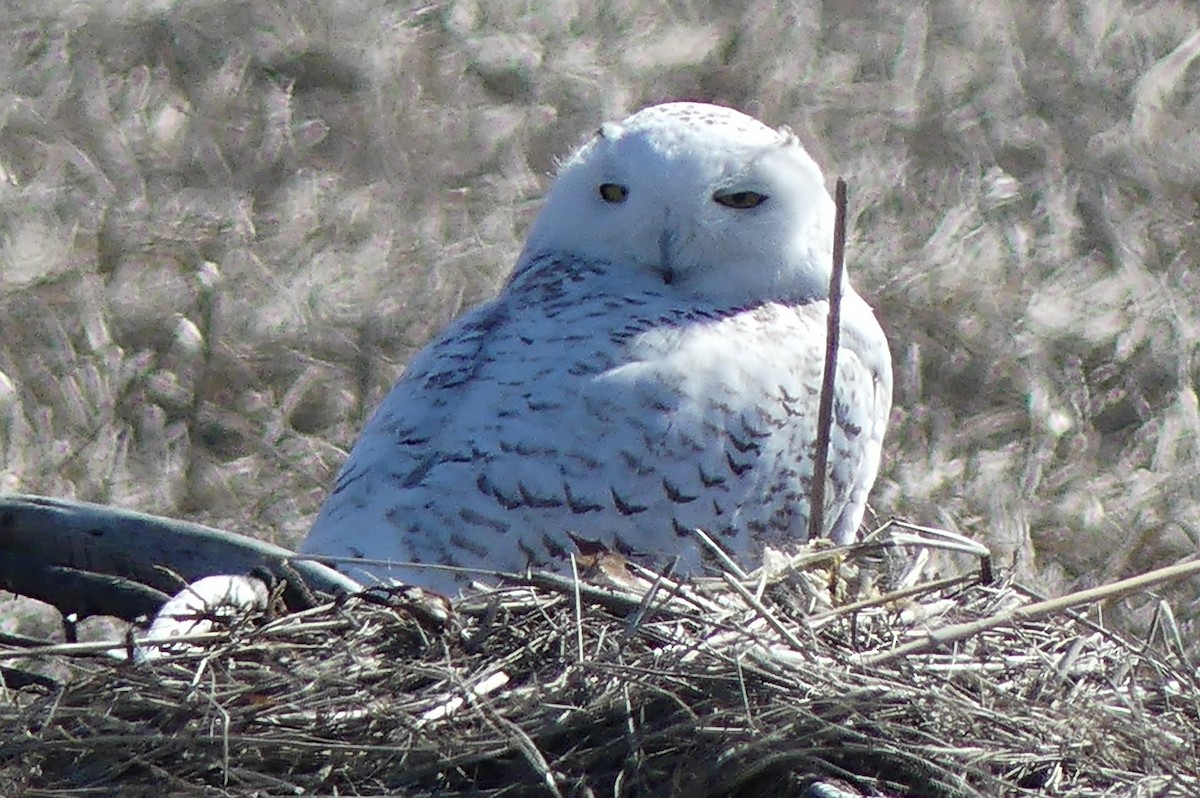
point(708, 201)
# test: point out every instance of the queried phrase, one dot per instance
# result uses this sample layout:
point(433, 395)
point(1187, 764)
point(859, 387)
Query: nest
point(802, 679)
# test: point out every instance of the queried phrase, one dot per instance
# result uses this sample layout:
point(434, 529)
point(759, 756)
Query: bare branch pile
point(554, 686)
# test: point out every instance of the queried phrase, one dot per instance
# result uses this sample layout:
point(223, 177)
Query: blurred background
point(226, 226)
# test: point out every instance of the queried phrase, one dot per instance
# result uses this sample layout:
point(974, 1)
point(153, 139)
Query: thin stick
point(766, 615)
point(578, 608)
point(104, 646)
point(822, 618)
point(716, 549)
point(816, 501)
point(940, 638)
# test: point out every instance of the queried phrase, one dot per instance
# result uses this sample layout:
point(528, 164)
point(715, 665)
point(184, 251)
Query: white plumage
point(653, 365)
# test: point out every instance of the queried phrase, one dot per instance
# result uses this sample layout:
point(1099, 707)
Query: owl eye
point(740, 200)
point(613, 192)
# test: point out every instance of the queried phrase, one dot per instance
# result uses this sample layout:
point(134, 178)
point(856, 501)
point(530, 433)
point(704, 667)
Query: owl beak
point(666, 251)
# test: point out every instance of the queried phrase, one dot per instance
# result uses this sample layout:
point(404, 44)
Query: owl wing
point(469, 441)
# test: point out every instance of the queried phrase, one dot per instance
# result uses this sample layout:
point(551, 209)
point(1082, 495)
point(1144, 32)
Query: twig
point(578, 609)
point(816, 502)
point(363, 562)
point(720, 554)
point(821, 618)
point(104, 647)
point(646, 607)
point(451, 704)
point(611, 598)
point(766, 615)
point(928, 536)
point(961, 631)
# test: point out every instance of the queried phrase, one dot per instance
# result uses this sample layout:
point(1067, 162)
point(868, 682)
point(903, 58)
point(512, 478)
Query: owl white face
point(705, 199)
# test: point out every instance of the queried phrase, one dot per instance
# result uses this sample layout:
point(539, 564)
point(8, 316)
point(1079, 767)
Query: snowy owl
point(652, 366)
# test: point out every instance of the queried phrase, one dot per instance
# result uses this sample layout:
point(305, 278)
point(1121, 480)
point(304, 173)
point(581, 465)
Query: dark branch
point(87, 542)
point(71, 590)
